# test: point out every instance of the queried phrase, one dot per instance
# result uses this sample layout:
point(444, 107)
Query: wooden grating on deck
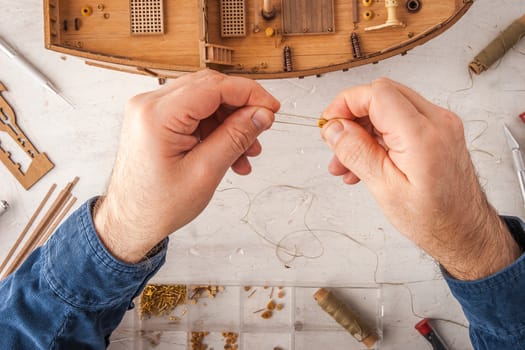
point(147, 17)
point(233, 18)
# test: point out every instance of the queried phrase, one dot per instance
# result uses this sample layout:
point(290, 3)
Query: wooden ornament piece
point(40, 163)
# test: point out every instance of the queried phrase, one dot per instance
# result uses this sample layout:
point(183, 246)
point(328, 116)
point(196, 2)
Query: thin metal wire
point(290, 123)
point(296, 115)
point(284, 114)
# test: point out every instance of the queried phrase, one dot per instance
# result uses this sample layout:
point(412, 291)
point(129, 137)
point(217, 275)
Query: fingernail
point(262, 119)
point(332, 132)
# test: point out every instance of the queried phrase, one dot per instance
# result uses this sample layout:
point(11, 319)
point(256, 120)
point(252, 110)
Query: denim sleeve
point(495, 305)
point(71, 293)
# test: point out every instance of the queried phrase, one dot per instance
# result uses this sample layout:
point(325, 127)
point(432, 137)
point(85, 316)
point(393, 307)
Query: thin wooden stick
point(35, 236)
point(28, 226)
point(57, 221)
point(52, 218)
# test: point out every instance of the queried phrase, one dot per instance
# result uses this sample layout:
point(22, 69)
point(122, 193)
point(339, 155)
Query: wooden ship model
point(259, 39)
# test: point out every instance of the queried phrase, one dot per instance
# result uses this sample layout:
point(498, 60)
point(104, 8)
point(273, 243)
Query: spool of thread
point(499, 46)
point(4, 206)
point(343, 315)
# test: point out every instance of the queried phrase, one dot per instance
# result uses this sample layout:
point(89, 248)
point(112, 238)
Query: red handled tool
point(430, 334)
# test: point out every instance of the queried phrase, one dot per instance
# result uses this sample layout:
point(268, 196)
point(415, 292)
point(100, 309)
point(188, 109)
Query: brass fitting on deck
point(86, 11)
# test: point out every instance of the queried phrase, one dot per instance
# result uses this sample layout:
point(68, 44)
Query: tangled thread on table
point(295, 252)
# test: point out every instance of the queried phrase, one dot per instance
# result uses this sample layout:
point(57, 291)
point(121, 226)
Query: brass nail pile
point(161, 300)
point(198, 292)
point(158, 300)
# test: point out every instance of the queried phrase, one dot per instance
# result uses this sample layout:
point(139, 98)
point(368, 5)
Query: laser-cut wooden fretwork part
point(146, 17)
point(233, 18)
point(392, 20)
point(218, 54)
point(40, 163)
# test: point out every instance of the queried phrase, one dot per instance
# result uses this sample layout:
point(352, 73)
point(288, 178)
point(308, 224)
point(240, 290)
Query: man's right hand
point(177, 143)
point(413, 157)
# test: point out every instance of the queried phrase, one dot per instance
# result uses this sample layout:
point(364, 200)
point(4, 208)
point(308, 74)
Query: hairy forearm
point(483, 250)
point(115, 233)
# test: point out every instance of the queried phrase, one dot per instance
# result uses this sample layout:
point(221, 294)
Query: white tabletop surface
point(290, 190)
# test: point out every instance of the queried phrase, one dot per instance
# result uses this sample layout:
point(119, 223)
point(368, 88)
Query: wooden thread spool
point(499, 46)
point(391, 7)
point(345, 317)
point(392, 20)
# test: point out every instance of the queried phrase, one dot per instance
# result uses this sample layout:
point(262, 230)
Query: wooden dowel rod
point(35, 236)
point(28, 226)
point(57, 221)
point(51, 220)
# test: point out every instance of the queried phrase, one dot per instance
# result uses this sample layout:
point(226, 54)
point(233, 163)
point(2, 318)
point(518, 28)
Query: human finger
point(424, 106)
point(356, 149)
point(336, 168)
point(231, 139)
point(388, 109)
point(254, 150)
point(242, 166)
point(182, 109)
point(350, 178)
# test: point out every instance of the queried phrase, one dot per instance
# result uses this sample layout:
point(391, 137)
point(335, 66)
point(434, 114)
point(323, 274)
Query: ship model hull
point(260, 39)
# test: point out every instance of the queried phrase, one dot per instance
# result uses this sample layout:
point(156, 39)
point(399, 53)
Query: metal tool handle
point(3, 207)
point(521, 177)
point(7, 49)
point(520, 169)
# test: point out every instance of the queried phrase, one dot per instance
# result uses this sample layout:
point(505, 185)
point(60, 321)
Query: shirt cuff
point(82, 272)
point(494, 304)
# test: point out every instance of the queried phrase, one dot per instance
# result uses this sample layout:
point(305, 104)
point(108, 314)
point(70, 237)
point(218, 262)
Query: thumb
point(356, 149)
point(233, 137)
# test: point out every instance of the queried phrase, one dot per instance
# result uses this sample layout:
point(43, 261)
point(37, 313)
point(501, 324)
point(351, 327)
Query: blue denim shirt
point(71, 294)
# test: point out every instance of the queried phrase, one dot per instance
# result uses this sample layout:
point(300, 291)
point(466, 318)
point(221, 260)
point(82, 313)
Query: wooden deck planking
point(113, 37)
point(307, 16)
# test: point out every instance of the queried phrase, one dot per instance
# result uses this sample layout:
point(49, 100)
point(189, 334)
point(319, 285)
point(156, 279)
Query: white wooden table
point(290, 189)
